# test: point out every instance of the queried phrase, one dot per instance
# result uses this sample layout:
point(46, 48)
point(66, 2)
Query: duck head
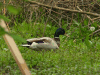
point(59, 31)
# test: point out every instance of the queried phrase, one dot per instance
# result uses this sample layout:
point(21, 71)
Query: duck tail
point(25, 45)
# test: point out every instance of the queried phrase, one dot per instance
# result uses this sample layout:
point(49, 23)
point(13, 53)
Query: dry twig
point(86, 15)
point(60, 8)
point(95, 32)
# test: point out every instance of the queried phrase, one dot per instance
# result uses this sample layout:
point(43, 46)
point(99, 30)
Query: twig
point(95, 32)
point(95, 18)
point(71, 19)
point(57, 13)
point(31, 13)
point(5, 13)
point(47, 21)
point(60, 8)
point(15, 51)
point(53, 19)
point(39, 16)
point(86, 15)
point(4, 8)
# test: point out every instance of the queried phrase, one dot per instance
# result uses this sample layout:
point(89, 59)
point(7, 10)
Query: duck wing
point(41, 43)
point(39, 40)
point(33, 41)
point(48, 44)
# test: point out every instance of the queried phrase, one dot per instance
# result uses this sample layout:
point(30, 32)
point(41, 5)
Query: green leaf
point(78, 17)
point(98, 0)
point(4, 18)
point(2, 31)
point(76, 22)
point(1, 5)
point(85, 22)
point(25, 0)
point(17, 38)
point(94, 24)
point(12, 9)
point(87, 42)
point(63, 22)
point(98, 45)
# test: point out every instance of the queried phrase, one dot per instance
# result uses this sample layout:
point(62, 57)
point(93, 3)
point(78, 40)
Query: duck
point(45, 43)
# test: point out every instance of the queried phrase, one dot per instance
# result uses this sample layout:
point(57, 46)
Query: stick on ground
point(15, 51)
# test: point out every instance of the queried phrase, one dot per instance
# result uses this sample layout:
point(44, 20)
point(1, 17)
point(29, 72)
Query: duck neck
point(57, 40)
point(56, 35)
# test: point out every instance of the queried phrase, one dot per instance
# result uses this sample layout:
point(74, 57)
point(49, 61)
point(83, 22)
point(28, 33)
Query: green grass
point(72, 58)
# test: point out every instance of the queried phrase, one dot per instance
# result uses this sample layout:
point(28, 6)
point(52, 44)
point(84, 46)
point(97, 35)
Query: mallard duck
point(46, 43)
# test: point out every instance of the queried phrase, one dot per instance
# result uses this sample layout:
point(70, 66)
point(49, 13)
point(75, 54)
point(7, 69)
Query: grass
point(73, 58)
